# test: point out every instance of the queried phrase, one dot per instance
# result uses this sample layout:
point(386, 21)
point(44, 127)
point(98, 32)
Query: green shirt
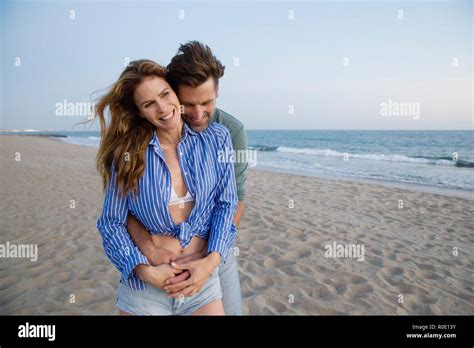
point(239, 143)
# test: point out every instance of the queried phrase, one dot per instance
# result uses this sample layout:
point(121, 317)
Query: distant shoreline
point(449, 192)
point(458, 193)
point(463, 194)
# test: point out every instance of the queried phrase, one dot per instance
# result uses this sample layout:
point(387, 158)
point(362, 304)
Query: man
point(194, 74)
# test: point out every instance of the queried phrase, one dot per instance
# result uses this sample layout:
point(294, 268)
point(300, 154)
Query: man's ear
point(217, 92)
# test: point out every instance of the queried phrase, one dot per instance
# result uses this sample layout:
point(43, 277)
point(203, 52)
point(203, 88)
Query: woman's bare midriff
point(179, 214)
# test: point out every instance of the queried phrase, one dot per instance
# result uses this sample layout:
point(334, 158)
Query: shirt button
point(185, 173)
point(180, 153)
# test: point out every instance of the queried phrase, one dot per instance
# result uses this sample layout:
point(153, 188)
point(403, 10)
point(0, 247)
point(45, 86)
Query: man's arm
point(240, 145)
point(241, 165)
point(140, 236)
point(142, 239)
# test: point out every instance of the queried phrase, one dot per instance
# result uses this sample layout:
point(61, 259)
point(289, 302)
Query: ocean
point(435, 158)
point(443, 159)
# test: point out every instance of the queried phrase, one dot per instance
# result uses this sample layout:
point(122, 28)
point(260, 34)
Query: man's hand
point(192, 257)
point(156, 275)
point(200, 270)
point(142, 238)
point(157, 256)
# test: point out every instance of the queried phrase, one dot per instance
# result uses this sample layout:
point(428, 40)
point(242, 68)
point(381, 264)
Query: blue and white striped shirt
point(206, 164)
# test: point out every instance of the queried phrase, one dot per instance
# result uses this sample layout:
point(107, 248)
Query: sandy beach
point(418, 247)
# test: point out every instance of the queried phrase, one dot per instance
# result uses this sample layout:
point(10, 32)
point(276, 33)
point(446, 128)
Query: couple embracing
point(172, 204)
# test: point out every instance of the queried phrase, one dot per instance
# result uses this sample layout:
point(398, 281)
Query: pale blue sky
point(283, 62)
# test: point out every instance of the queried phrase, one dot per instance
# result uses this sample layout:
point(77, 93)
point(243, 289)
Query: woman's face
point(158, 103)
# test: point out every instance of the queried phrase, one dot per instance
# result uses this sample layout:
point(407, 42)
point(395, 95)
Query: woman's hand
point(156, 275)
point(200, 270)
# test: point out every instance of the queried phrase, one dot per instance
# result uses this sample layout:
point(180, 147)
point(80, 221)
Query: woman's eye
point(166, 94)
point(147, 105)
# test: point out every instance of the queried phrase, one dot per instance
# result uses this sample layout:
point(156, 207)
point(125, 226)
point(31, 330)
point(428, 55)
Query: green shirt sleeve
point(240, 145)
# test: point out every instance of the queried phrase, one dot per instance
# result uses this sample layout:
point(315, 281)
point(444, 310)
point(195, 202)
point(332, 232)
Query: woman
point(174, 181)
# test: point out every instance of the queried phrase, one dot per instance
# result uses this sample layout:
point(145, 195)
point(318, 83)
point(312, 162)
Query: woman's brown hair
point(124, 141)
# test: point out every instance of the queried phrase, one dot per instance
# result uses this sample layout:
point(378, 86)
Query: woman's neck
point(170, 136)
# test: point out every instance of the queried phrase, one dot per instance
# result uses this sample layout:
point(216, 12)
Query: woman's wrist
point(214, 259)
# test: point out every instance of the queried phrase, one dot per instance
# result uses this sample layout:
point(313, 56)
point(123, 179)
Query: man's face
point(199, 103)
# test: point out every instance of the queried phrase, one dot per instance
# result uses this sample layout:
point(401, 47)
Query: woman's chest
point(193, 170)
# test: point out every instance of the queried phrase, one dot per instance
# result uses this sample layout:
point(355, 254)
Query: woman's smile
point(168, 117)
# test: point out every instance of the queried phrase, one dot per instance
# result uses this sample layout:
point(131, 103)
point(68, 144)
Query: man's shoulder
point(217, 130)
point(226, 119)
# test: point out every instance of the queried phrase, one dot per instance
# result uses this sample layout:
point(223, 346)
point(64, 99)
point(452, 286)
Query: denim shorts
point(154, 301)
point(230, 284)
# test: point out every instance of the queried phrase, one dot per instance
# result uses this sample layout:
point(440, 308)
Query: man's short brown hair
point(193, 65)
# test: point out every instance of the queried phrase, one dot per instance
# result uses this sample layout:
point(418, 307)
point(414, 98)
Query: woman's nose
point(160, 105)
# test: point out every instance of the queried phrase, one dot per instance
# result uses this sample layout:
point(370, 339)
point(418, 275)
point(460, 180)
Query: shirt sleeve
point(222, 228)
point(241, 164)
point(118, 245)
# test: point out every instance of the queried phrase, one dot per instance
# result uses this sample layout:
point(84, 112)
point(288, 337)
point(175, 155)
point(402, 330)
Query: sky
point(289, 65)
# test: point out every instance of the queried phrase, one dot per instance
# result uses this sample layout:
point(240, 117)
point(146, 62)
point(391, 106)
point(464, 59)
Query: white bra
point(174, 199)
